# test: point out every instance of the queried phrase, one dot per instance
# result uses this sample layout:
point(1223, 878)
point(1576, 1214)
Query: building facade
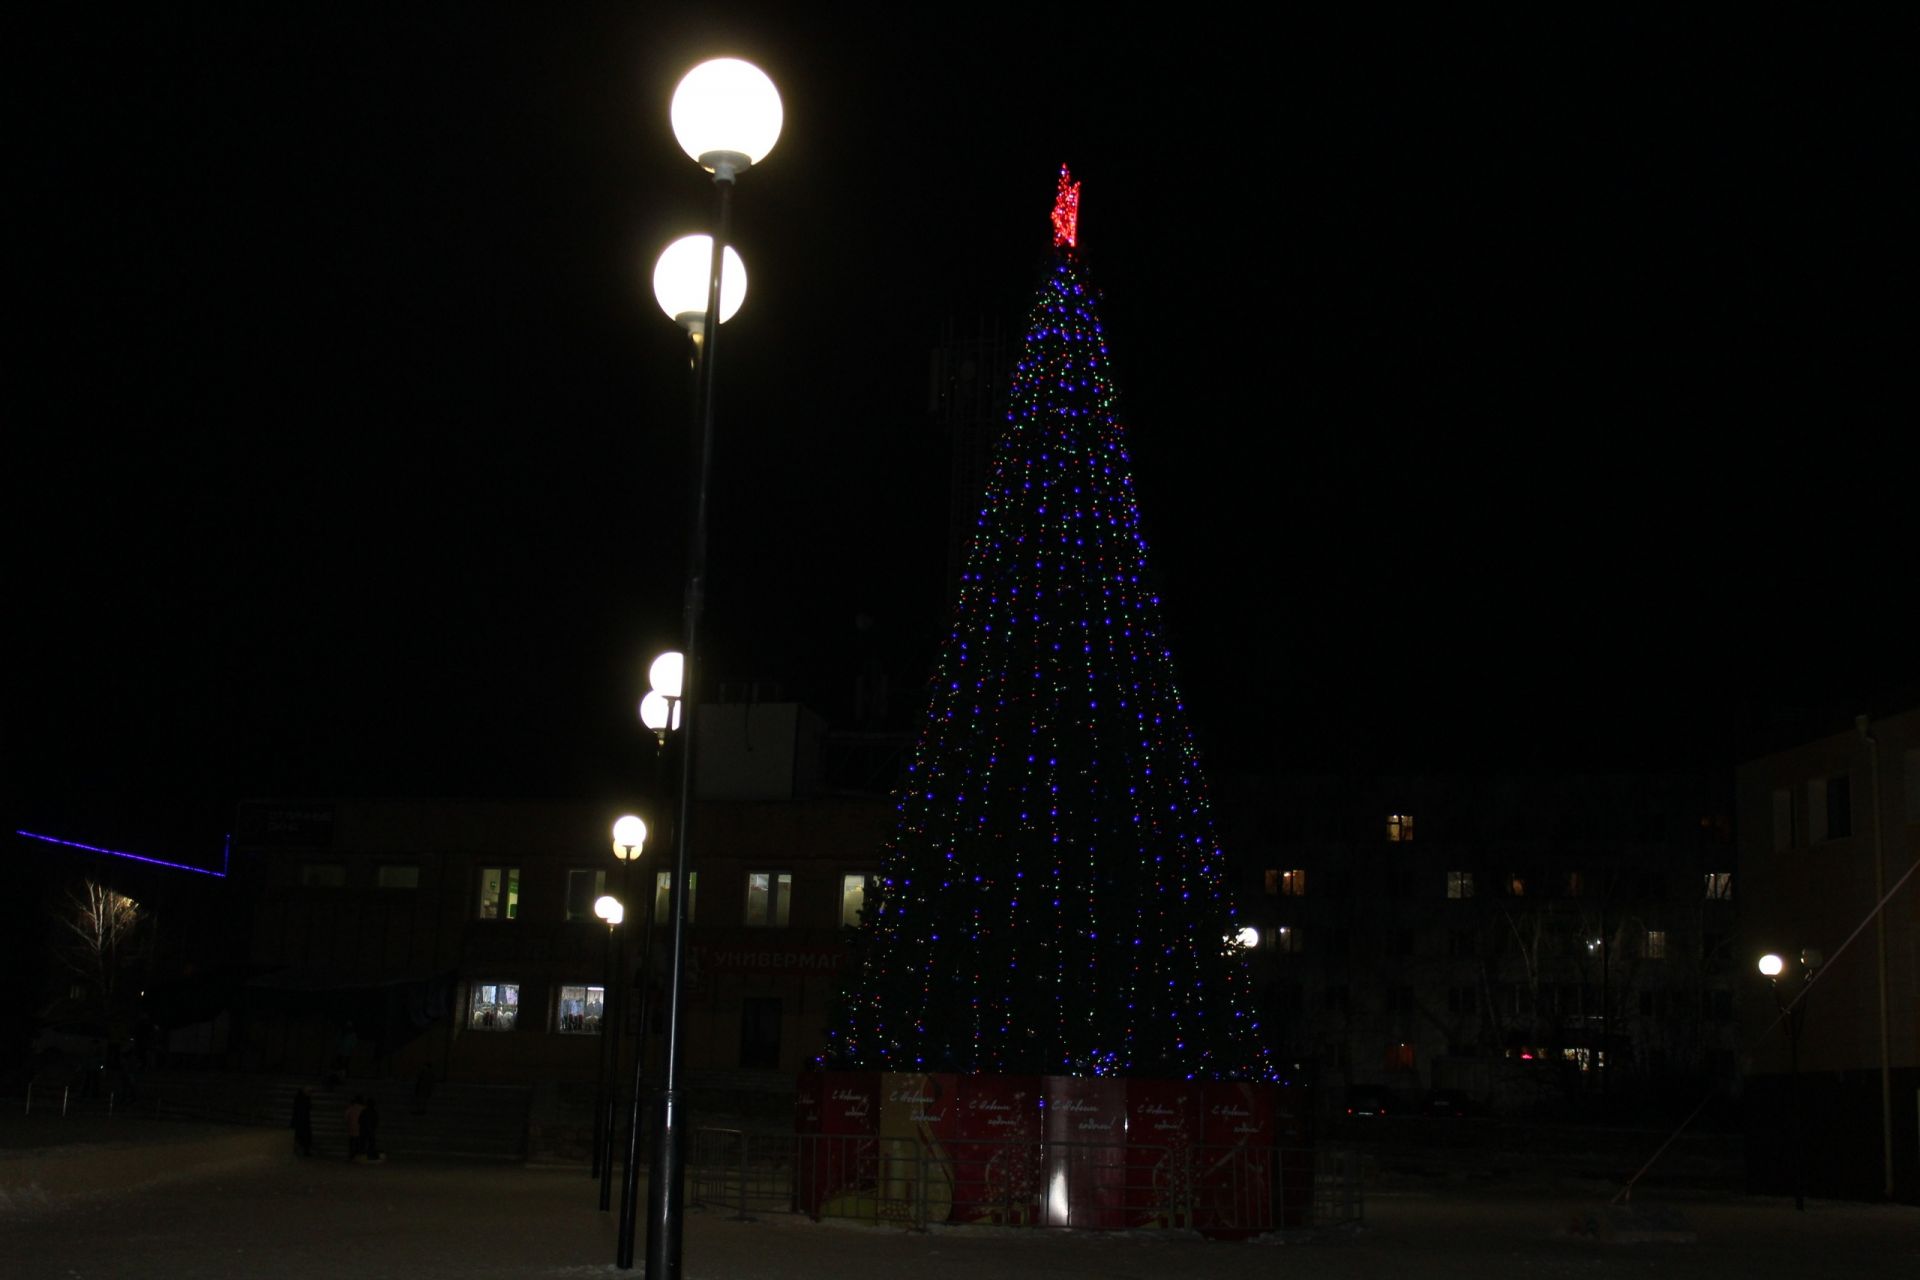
point(1829, 830)
point(461, 934)
point(1541, 944)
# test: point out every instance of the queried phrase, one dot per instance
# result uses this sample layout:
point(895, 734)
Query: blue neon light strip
point(225, 854)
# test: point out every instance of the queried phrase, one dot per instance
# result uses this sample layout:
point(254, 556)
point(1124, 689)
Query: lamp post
point(629, 841)
point(726, 115)
point(660, 712)
point(608, 908)
point(1791, 1013)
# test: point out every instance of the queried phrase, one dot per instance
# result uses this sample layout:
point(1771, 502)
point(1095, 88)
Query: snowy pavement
point(301, 1219)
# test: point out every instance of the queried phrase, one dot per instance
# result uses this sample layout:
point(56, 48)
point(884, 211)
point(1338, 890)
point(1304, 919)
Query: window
point(853, 899)
point(1656, 944)
point(500, 893)
point(1400, 1057)
point(398, 875)
point(1293, 884)
point(663, 895)
point(1516, 885)
point(1829, 809)
point(1716, 944)
point(1399, 999)
point(1459, 884)
point(1720, 1005)
point(1719, 886)
point(494, 1007)
point(323, 875)
point(1574, 885)
point(769, 893)
point(1400, 828)
point(580, 1010)
point(1287, 940)
point(583, 889)
point(1782, 820)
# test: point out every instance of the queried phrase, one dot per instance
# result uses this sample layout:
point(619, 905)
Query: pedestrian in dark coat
point(302, 1122)
point(370, 1133)
point(355, 1110)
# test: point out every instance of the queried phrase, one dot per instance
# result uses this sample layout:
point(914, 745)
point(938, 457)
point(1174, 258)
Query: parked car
point(1372, 1100)
point(1449, 1103)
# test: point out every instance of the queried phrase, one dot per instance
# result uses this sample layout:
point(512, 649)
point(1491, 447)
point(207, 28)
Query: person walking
point(370, 1133)
point(302, 1122)
point(355, 1110)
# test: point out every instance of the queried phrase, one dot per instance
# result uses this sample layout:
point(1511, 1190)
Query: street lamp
point(629, 841)
point(1791, 1013)
point(607, 908)
point(726, 115)
point(660, 712)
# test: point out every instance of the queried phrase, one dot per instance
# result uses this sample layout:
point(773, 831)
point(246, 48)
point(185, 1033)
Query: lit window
point(853, 899)
point(663, 895)
point(580, 1010)
point(1400, 1057)
point(768, 896)
point(1293, 884)
point(1287, 941)
point(323, 875)
point(1517, 885)
point(398, 875)
point(494, 1007)
point(1459, 884)
point(1400, 827)
point(1656, 944)
point(500, 893)
point(583, 889)
point(1720, 886)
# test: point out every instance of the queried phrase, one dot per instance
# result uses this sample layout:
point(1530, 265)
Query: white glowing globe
point(667, 672)
point(726, 108)
point(1771, 965)
point(608, 908)
point(629, 836)
point(680, 280)
point(659, 712)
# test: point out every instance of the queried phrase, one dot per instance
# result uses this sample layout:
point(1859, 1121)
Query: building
point(1829, 825)
point(461, 934)
point(1543, 944)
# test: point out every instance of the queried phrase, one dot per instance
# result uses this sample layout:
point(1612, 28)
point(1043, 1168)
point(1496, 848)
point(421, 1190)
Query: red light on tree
point(1066, 212)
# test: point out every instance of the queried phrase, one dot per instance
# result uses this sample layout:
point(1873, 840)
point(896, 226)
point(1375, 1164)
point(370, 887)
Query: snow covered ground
point(297, 1219)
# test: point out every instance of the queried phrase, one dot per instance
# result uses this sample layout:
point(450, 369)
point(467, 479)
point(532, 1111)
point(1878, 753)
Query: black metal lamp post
point(726, 114)
point(660, 712)
point(609, 909)
point(1792, 1012)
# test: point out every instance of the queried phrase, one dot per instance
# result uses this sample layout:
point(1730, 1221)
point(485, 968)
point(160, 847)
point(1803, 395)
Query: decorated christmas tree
point(1053, 899)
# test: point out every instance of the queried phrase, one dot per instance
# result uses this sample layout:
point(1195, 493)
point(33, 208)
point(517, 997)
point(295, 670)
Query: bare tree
point(100, 933)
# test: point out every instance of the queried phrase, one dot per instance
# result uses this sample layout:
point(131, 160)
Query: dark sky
point(1498, 393)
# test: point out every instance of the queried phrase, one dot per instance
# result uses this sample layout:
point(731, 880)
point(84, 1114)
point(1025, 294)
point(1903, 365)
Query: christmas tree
point(1053, 900)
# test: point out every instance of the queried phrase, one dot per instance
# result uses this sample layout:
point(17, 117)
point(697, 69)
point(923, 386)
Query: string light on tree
point(1054, 896)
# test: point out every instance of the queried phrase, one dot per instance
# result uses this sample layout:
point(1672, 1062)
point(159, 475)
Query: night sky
point(1499, 394)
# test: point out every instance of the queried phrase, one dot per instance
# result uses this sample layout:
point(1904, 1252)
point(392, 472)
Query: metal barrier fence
point(1089, 1186)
